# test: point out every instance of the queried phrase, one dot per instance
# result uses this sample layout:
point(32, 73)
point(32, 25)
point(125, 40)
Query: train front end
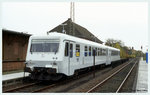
point(43, 60)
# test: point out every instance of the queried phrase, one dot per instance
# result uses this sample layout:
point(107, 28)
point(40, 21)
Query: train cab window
point(44, 45)
point(89, 50)
point(85, 51)
point(77, 50)
point(66, 48)
point(71, 50)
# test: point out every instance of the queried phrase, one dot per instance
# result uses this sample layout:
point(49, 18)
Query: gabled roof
point(75, 30)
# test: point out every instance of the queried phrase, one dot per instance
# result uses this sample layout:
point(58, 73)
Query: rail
point(100, 83)
point(21, 87)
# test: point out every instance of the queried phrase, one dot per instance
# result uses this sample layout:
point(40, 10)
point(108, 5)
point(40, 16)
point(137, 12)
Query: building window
point(77, 50)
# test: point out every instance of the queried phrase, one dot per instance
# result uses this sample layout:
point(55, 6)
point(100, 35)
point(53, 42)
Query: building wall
point(14, 51)
point(10, 66)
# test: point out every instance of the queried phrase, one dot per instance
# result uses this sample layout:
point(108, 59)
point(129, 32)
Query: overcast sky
point(123, 21)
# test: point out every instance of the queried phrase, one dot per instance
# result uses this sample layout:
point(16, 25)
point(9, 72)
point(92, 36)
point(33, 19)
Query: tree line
point(125, 51)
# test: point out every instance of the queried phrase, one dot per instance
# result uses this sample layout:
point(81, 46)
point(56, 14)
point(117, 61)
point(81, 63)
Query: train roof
point(76, 39)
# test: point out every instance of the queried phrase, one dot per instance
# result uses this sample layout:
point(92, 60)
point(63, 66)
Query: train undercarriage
point(42, 73)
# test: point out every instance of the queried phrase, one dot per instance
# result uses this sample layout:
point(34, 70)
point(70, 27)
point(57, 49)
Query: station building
point(14, 48)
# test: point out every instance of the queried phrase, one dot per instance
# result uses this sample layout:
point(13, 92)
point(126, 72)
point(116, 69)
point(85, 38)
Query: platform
point(142, 81)
point(14, 76)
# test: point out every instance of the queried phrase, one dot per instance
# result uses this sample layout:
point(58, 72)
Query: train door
point(69, 58)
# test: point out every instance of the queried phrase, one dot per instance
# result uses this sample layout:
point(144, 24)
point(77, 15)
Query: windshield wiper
point(55, 51)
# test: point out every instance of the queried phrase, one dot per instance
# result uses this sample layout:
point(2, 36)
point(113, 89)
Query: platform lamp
point(141, 50)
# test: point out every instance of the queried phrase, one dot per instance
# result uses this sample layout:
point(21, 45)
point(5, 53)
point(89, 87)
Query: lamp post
point(94, 52)
point(63, 25)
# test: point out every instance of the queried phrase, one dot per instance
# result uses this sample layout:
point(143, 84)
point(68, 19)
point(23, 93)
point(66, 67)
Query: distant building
point(74, 29)
point(14, 48)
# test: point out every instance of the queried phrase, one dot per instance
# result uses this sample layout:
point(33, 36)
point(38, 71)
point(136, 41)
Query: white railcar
point(61, 54)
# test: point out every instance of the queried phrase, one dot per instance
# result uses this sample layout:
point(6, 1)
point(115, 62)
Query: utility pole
point(72, 16)
point(141, 52)
point(72, 11)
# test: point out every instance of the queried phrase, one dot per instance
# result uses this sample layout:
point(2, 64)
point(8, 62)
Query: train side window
point(114, 53)
point(98, 52)
point(71, 50)
point(85, 51)
point(66, 48)
point(103, 51)
point(111, 53)
point(95, 51)
point(77, 50)
point(89, 50)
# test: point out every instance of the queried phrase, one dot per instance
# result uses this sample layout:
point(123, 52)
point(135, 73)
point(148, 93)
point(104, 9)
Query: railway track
point(65, 81)
point(115, 81)
point(72, 82)
point(38, 87)
point(21, 87)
